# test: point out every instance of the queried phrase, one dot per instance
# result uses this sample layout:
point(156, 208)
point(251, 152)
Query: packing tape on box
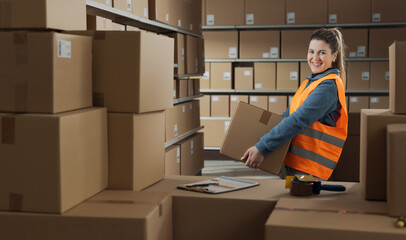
point(8, 130)
point(99, 35)
point(265, 117)
point(16, 202)
point(98, 99)
point(130, 202)
point(5, 14)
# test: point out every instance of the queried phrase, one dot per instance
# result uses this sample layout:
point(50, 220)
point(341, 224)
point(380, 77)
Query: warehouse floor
point(233, 168)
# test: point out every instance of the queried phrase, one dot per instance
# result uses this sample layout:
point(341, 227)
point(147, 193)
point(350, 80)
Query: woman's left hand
point(254, 157)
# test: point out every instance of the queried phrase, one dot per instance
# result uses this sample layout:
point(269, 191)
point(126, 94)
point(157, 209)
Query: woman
point(316, 120)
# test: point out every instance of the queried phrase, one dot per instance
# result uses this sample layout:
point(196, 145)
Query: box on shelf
point(124, 5)
point(277, 104)
point(235, 100)
point(356, 41)
point(358, 76)
point(305, 72)
point(181, 88)
point(196, 86)
point(172, 123)
point(172, 160)
point(356, 103)
point(194, 106)
point(205, 79)
point(287, 77)
point(201, 56)
point(265, 12)
point(191, 154)
point(220, 105)
point(306, 12)
point(132, 28)
point(259, 101)
point(205, 106)
point(190, 87)
point(193, 16)
point(347, 169)
point(179, 52)
point(221, 44)
point(388, 11)
point(295, 43)
point(378, 102)
point(259, 44)
point(160, 11)
point(105, 2)
point(243, 78)
point(52, 162)
point(140, 8)
point(136, 150)
point(381, 38)
point(264, 76)
point(45, 72)
point(379, 75)
point(225, 12)
point(191, 59)
point(220, 76)
point(347, 11)
point(397, 77)
point(175, 88)
point(214, 132)
point(103, 24)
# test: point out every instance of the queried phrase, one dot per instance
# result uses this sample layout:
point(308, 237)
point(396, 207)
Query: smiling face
point(319, 56)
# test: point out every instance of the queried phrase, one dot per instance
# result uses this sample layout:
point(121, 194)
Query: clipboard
point(218, 185)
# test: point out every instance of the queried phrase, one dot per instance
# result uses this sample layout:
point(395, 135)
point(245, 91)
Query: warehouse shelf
point(98, 9)
point(188, 75)
point(217, 91)
point(367, 92)
point(186, 99)
point(216, 60)
point(180, 138)
point(212, 148)
point(282, 92)
point(216, 118)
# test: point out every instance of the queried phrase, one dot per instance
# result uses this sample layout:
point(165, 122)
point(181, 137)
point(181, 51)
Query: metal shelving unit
point(181, 100)
point(180, 138)
point(187, 75)
point(287, 60)
point(292, 92)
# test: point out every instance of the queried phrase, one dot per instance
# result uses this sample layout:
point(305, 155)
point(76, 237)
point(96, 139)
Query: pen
point(202, 184)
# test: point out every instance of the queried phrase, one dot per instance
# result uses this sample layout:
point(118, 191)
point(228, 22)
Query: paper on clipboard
point(218, 185)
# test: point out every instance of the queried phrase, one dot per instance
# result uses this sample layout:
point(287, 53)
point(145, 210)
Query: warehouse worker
point(316, 120)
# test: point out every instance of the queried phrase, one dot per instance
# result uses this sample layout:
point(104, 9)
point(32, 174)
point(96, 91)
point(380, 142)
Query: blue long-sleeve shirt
point(321, 105)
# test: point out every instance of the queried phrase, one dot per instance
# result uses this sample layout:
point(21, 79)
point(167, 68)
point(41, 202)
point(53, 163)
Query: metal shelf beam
point(289, 60)
point(180, 138)
point(182, 100)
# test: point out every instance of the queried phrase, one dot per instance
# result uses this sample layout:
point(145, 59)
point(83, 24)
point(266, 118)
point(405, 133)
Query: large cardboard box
point(277, 104)
point(356, 41)
point(287, 75)
point(378, 102)
point(161, 11)
point(191, 12)
point(244, 78)
point(306, 12)
point(373, 151)
point(248, 125)
point(347, 11)
point(358, 75)
point(264, 12)
point(295, 43)
point(220, 105)
point(179, 52)
point(225, 12)
point(259, 44)
point(395, 153)
point(264, 76)
point(102, 24)
point(140, 8)
point(214, 131)
point(105, 2)
point(235, 100)
point(347, 169)
point(136, 150)
point(259, 101)
point(56, 14)
point(181, 88)
point(183, 117)
point(205, 105)
point(221, 44)
point(191, 154)
point(397, 77)
point(109, 215)
point(194, 105)
point(379, 75)
point(192, 55)
point(305, 71)
point(356, 103)
point(220, 75)
point(388, 11)
point(172, 160)
point(51, 162)
point(44, 72)
point(201, 56)
point(381, 38)
point(172, 123)
point(205, 79)
point(124, 5)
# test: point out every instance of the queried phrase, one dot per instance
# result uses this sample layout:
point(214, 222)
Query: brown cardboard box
point(264, 76)
point(184, 118)
point(51, 162)
point(108, 215)
point(243, 78)
point(191, 156)
point(124, 5)
point(388, 11)
point(277, 104)
point(44, 72)
point(191, 59)
point(193, 15)
point(172, 123)
point(105, 2)
point(57, 14)
point(182, 88)
point(259, 44)
point(259, 101)
point(379, 75)
point(348, 165)
point(220, 76)
point(357, 103)
point(99, 23)
point(132, 28)
point(201, 55)
point(395, 153)
point(214, 131)
point(356, 41)
point(205, 79)
point(117, 27)
point(305, 71)
point(378, 102)
point(381, 38)
point(140, 8)
point(287, 77)
point(194, 106)
point(295, 43)
point(190, 87)
point(196, 86)
point(136, 150)
point(205, 106)
point(220, 105)
point(373, 151)
point(358, 75)
point(225, 12)
point(397, 78)
point(264, 12)
point(306, 12)
point(160, 11)
point(179, 52)
point(172, 160)
point(218, 44)
point(247, 126)
point(347, 11)
point(235, 100)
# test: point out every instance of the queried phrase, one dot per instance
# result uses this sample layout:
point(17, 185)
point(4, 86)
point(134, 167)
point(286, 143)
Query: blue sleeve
point(286, 113)
point(320, 102)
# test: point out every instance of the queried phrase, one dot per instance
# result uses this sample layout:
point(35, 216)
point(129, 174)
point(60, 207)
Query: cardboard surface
point(181, 88)
point(356, 41)
point(214, 132)
point(52, 162)
point(161, 11)
point(140, 8)
point(381, 38)
point(264, 76)
point(259, 101)
point(347, 11)
point(191, 59)
point(347, 169)
point(225, 12)
point(171, 123)
point(244, 78)
point(379, 75)
point(264, 12)
point(191, 154)
point(220, 105)
point(358, 76)
point(221, 44)
point(295, 43)
point(235, 100)
point(306, 12)
point(378, 102)
point(180, 51)
point(205, 106)
point(124, 5)
point(388, 11)
point(172, 160)
point(259, 44)
point(397, 77)
point(287, 76)
point(356, 103)
point(221, 75)
point(305, 72)
point(277, 104)
point(205, 79)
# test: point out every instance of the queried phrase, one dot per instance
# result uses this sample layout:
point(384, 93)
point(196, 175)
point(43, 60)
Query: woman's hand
point(254, 157)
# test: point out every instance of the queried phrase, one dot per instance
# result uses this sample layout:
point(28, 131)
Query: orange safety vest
point(317, 148)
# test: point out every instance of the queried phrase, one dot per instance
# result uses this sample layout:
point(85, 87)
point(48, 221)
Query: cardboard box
point(395, 152)
point(220, 105)
point(172, 123)
point(160, 11)
point(388, 11)
point(347, 169)
point(244, 78)
point(194, 16)
point(259, 101)
point(182, 88)
point(196, 86)
point(225, 12)
point(259, 44)
point(132, 28)
point(190, 87)
point(265, 12)
point(105, 2)
point(306, 12)
point(358, 75)
point(397, 79)
point(381, 38)
point(136, 150)
point(195, 107)
point(218, 44)
point(179, 51)
point(356, 41)
point(205, 79)
point(248, 125)
point(117, 27)
point(264, 76)
point(205, 106)
point(108, 215)
point(52, 162)
point(235, 100)
point(124, 5)
point(184, 118)
point(191, 59)
point(191, 156)
point(44, 72)
point(305, 72)
point(175, 89)
point(220, 76)
point(347, 11)
point(214, 131)
point(357, 103)
point(140, 8)
point(101, 24)
point(378, 102)
point(295, 43)
point(379, 75)
point(201, 55)
point(277, 104)
point(373, 151)
point(287, 77)
point(57, 14)
point(172, 160)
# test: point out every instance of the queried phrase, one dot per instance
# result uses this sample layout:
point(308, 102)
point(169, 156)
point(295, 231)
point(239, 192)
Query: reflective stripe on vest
point(310, 132)
point(301, 152)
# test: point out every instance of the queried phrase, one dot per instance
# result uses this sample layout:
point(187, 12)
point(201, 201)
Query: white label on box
point(365, 76)
point(266, 55)
point(253, 99)
point(129, 5)
point(249, 19)
point(108, 2)
point(64, 49)
point(179, 23)
point(183, 108)
point(174, 93)
point(293, 76)
point(191, 27)
point(332, 18)
point(361, 51)
point(247, 73)
point(387, 75)
point(191, 106)
point(183, 53)
point(122, 28)
point(353, 54)
point(175, 130)
point(232, 52)
point(273, 99)
point(206, 75)
point(192, 147)
point(258, 85)
point(226, 125)
point(175, 65)
point(227, 76)
point(274, 52)
point(210, 19)
point(167, 17)
point(376, 17)
point(178, 155)
point(290, 17)
point(145, 12)
point(215, 98)
point(234, 99)
point(374, 100)
point(353, 99)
